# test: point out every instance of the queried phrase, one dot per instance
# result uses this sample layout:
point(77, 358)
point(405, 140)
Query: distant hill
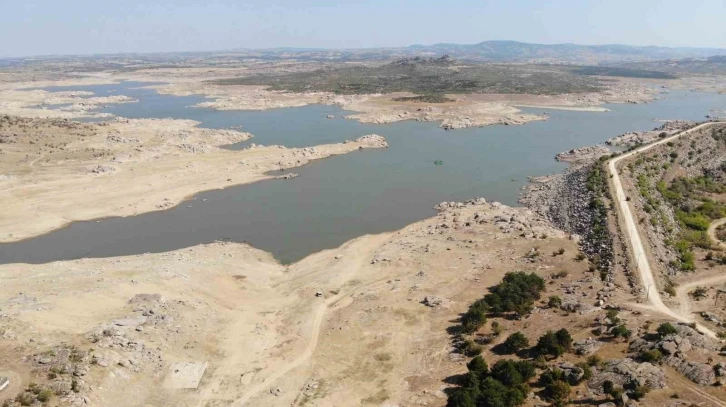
point(715, 65)
point(514, 51)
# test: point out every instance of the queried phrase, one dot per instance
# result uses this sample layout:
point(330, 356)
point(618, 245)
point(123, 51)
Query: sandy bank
point(55, 172)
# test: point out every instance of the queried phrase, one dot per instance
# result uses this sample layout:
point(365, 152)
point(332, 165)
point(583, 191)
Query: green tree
point(515, 342)
point(559, 392)
point(564, 338)
point(478, 365)
point(547, 344)
point(461, 397)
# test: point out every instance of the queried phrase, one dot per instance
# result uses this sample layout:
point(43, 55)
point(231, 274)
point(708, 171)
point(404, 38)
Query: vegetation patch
point(428, 76)
point(424, 99)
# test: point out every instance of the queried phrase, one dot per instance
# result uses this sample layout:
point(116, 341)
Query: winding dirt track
point(353, 265)
point(636, 244)
point(712, 232)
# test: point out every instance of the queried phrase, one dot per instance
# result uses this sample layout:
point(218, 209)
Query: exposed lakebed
point(343, 197)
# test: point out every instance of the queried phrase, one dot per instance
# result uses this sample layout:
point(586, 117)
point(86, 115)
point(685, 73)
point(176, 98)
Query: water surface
point(343, 197)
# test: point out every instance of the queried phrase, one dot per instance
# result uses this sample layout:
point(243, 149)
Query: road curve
point(636, 244)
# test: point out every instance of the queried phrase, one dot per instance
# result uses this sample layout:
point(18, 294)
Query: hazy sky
point(41, 27)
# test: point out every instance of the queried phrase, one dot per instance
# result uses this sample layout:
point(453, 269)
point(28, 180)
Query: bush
point(620, 331)
point(558, 392)
point(515, 342)
point(45, 395)
point(607, 387)
point(639, 392)
point(554, 343)
point(594, 360)
point(652, 356)
point(474, 318)
point(554, 302)
point(665, 329)
point(586, 369)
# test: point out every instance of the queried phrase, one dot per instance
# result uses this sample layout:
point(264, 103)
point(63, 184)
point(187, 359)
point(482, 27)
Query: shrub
point(612, 315)
point(652, 356)
point(515, 342)
point(586, 369)
point(639, 392)
point(554, 302)
point(558, 392)
point(470, 348)
point(554, 343)
point(620, 331)
point(559, 252)
point(594, 360)
point(607, 387)
point(474, 318)
point(665, 329)
point(45, 395)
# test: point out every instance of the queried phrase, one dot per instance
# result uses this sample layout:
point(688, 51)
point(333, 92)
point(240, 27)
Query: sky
point(52, 27)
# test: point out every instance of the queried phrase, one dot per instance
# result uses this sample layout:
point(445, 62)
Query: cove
point(343, 197)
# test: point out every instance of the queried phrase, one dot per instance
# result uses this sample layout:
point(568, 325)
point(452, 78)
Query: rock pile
point(627, 373)
point(564, 200)
point(436, 302)
point(675, 347)
point(631, 139)
point(582, 154)
point(587, 346)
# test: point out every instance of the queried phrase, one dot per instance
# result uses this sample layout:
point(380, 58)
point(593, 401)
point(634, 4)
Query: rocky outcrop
point(566, 201)
point(632, 139)
point(582, 154)
point(587, 346)
point(372, 141)
point(675, 348)
point(627, 373)
point(436, 302)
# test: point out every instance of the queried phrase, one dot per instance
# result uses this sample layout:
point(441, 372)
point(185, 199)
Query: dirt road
point(631, 229)
point(712, 232)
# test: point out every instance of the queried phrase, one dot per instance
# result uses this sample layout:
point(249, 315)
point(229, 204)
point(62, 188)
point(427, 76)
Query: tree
point(666, 328)
point(461, 397)
point(474, 318)
point(547, 344)
point(515, 342)
point(559, 392)
point(478, 365)
point(512, 373)
point(516, 293)
point(564, 339)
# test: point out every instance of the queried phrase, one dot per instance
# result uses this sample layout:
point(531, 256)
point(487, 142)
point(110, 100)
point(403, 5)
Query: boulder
point(628, 373)
point(587, 346)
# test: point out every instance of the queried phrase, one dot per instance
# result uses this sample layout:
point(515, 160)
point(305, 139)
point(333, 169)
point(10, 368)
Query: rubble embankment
point(572, 201)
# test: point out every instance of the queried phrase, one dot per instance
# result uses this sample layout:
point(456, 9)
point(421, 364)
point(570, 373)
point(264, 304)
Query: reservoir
point(343, 197)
